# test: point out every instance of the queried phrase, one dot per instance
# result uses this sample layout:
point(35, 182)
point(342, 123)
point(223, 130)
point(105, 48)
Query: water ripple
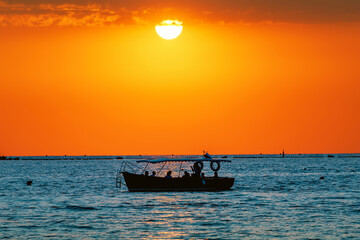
point(271, 199)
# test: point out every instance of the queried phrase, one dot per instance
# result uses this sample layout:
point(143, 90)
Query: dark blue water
point(271, 198)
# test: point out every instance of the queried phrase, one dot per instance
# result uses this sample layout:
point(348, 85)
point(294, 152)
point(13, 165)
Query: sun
point(169, 29)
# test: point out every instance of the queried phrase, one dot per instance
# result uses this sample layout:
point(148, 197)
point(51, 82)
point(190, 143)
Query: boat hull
point(142, 183)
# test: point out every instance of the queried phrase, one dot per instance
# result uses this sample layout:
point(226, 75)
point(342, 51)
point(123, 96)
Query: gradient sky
point(246, 76)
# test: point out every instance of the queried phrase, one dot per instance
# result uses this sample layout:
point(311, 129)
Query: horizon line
point(139, 155)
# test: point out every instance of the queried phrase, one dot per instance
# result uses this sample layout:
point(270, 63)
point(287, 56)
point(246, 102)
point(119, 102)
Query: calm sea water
point(271, 199)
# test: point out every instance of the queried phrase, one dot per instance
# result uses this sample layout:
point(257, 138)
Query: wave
point(76, 208)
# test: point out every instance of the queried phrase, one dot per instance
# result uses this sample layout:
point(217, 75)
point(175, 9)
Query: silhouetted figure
point(197, 170)
point(146, 173)
point(216, 174)
point(153, 174)
point(168, 175)
point(186, 175)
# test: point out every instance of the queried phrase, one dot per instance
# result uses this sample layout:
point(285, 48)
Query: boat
point(197, 181)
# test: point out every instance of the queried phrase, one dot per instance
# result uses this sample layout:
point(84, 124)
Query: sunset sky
point(244, 77)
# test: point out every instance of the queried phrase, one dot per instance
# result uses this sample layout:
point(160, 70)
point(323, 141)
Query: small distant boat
point(206, 155)
point(142, 182)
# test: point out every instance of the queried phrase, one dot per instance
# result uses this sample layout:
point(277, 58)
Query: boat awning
point(162, 160)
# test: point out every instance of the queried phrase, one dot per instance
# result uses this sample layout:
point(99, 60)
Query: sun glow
point(169, 29)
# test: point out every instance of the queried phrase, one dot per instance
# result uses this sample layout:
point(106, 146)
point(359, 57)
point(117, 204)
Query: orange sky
point(95, 79)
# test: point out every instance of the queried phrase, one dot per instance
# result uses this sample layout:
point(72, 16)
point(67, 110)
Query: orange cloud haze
point(110, 12)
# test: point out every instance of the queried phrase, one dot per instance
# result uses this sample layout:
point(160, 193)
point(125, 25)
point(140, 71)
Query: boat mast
point(180, 168)
point(161, 169)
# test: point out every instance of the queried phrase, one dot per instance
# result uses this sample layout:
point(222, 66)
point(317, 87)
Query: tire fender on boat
point(217, 168)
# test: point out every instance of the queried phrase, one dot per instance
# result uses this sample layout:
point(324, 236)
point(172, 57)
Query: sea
point(274, 197)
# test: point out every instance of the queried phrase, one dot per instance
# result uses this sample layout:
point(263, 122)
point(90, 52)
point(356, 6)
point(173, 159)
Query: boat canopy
point(162, 160)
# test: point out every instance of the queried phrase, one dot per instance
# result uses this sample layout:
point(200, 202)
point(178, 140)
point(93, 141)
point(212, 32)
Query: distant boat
point(196, 182)
point(206, 155)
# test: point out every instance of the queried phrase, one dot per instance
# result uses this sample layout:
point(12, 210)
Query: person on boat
point(186, 175)
point(153, 174)
point(168, 175)
point(197, 170)
point(146, 173)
